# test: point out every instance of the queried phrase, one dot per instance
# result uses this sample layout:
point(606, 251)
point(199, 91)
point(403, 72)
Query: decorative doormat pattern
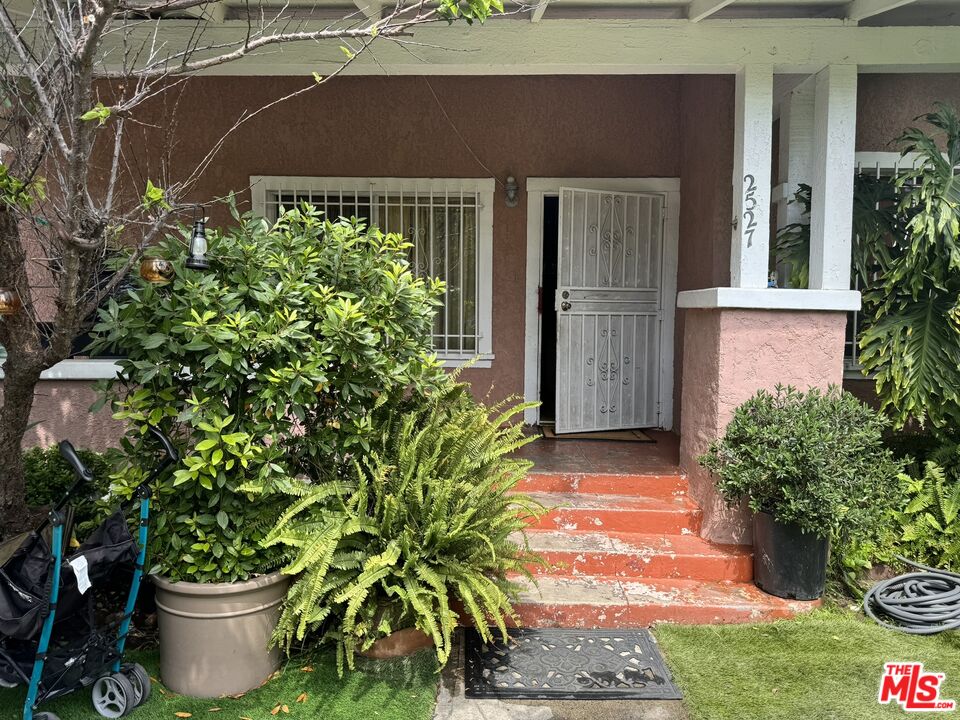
point(618, 435)
point(555, 664)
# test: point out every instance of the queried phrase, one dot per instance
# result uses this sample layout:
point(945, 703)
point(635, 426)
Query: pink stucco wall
point(728, 356)
point(61, 411)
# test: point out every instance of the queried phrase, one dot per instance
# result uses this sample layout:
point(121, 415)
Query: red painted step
point(635, 555)
point(663, 486)
point(618, 514)
point(596, 603)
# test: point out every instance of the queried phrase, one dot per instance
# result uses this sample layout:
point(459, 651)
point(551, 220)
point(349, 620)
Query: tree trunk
point(18, 387)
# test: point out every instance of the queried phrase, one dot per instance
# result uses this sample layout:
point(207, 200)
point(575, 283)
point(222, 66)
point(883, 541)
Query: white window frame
point(483, 188)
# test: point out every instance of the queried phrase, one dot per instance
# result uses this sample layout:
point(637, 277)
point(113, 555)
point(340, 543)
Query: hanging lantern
point(9, 301)
point(156, 270)
point(197, 259)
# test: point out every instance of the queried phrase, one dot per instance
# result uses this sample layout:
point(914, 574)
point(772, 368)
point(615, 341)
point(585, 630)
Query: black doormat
point(560, 664)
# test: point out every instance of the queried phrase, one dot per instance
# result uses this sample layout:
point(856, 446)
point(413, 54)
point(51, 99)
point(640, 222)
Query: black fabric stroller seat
point(25, 576)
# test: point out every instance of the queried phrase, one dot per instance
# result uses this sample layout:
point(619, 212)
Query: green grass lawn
point(402, 689)
point(823, 666)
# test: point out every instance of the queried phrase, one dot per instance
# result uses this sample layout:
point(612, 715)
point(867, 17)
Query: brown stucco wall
point(581, 126)
point(553, 126)
point(888, 104)
point(706, 196)
point(728, 356)
point(394, 127)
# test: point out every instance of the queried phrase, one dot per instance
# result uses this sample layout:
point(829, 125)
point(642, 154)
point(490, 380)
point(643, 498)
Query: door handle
point(565, 305)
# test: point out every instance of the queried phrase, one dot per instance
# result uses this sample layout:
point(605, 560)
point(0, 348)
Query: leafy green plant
point(912, 344)
point(815, 459)
point(267, 366)
point(49, 476)
point(930, 523)
point(906, 253)
point(426, 519)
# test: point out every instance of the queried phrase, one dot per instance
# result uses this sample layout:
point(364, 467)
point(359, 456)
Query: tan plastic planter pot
point(215, 637)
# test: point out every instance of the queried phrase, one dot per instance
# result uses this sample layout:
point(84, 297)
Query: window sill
point(80, 370)
point(852, 371)
point(482, 361)
point(107, 369)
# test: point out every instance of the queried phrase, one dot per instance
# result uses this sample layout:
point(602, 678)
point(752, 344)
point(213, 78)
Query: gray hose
point(918, 603)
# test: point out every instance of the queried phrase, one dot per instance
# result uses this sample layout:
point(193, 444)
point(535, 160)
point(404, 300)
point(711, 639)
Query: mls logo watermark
point(914, 689)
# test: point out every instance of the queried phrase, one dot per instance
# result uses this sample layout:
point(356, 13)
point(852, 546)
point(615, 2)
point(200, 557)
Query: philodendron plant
point(264, 368)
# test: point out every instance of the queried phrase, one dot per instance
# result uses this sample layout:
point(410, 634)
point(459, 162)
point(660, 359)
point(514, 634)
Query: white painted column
point(796, 150)
point(750, 243)
point(831, 213)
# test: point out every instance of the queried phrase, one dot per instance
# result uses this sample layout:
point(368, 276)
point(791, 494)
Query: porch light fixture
point(9, 301)
point(197, 259)
point(512, 191)
point(156, 270)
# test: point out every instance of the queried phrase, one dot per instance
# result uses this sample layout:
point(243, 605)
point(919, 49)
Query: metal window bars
point(442, 228)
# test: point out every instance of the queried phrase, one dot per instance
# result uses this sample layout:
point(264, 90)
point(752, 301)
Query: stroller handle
point(69, 454)
point(172, 454)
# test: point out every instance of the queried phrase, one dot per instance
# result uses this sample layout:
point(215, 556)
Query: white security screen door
point(608, 310)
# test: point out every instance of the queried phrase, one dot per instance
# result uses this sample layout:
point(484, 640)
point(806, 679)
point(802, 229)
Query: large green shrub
point(265, 367)
point(816, 459)
point(424, 520)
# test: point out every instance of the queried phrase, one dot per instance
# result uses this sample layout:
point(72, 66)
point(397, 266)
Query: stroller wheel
point(113, 695)
point(140, 680)
point(45, 716)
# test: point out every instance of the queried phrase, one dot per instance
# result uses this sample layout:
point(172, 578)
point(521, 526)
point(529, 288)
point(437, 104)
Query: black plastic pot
point(787, 562)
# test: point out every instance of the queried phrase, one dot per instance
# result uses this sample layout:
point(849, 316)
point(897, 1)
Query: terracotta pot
point(215, 637)
point(398, 644)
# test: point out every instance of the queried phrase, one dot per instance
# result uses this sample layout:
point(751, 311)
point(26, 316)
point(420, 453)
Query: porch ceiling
point(866, 12)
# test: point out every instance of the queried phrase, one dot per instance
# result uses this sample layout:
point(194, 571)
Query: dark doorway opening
point(548, 315)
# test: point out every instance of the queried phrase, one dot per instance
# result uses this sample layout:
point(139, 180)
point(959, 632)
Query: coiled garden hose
point(919, 603)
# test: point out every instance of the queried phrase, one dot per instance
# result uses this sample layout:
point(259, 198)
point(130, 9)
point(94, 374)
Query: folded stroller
point(65, 612)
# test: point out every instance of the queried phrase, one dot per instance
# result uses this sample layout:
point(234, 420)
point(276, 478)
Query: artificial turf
point(822, 666)
point(306, 687)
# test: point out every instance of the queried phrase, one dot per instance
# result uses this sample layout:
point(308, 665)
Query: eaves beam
point(701, 9)
point(371, 9)
point(862, 9)
point(536, 15)
point(212, 11)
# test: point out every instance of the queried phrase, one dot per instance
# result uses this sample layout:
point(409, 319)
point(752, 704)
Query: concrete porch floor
point(609, 457)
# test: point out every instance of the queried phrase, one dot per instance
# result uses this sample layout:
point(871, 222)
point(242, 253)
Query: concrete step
point(609, 603)
point(663, 486)
point(639, 555)
point(618, 514)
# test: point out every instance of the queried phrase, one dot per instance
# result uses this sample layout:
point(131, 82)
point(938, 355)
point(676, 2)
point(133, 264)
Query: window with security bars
point(448, 223)
point(880, 166)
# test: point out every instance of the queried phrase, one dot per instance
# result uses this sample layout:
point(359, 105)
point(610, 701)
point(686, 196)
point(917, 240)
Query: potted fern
point(264, 368)
point(422, 531)
point(810, 466)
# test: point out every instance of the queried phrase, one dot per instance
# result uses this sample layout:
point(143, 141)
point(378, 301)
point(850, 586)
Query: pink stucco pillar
point(729, 354)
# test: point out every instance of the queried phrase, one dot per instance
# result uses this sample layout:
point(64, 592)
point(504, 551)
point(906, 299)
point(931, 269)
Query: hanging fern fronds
point(426, 525)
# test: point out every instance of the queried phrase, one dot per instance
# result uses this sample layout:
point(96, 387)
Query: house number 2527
point(749, 204)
